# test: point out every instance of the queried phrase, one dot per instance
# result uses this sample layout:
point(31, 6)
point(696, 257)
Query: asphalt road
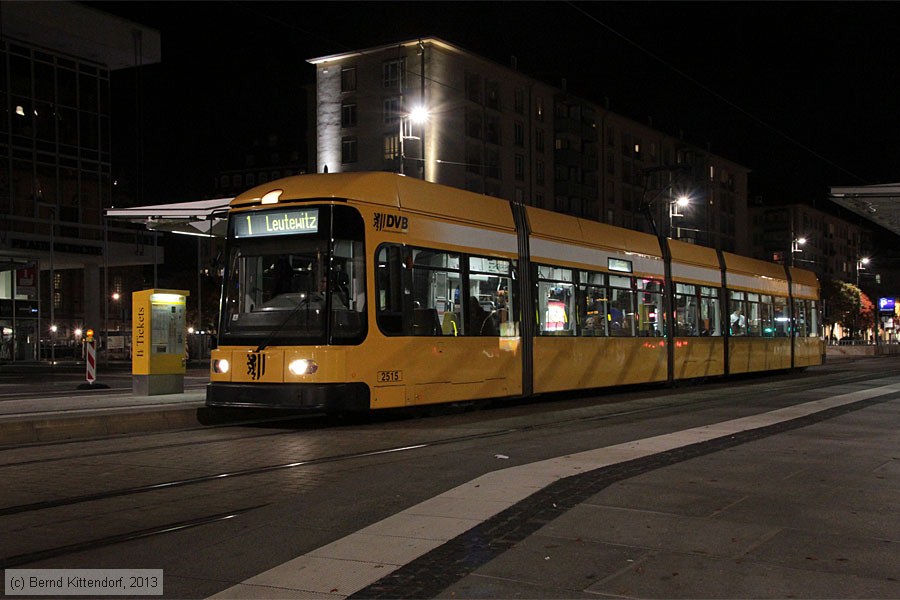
point(216, 507)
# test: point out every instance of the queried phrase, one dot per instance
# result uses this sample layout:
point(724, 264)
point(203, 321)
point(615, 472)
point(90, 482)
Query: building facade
point(810, 239)
point(60, 264)
point(494, 130)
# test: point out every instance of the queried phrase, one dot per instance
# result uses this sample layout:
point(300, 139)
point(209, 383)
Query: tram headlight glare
point(303, 366)
point(221, 365)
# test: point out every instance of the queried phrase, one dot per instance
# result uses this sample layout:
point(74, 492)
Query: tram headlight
point(221, 365)
point(303, 366)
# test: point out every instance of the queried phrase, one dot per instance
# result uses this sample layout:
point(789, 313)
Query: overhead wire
point(714, 93)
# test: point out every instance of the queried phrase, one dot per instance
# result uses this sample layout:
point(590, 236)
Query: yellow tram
point(360, 291)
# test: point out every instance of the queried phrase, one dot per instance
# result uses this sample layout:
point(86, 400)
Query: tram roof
point(386, 189)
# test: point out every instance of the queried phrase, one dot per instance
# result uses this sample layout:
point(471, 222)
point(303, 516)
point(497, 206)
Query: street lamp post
point(861, 265)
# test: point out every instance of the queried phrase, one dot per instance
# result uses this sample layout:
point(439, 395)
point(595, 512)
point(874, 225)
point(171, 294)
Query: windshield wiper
point(295, 310)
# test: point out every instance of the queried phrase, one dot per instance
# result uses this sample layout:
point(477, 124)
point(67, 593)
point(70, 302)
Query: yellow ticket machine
point(158, 342)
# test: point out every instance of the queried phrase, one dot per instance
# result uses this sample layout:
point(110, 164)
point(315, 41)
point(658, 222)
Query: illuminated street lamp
point(795, 247)
point(417, 116)
point(53, 330)
point(675, 207)
point(860, 265)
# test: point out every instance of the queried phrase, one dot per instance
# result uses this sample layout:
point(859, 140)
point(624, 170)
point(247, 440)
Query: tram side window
point(621, 306)
point(593, 304)
point(556, 301)
point(415, 290)
point(687, 317)
point(766, 316)
point(348, 289)
point(435, 279)
point(650, 308)
point(782, 321)
point(753, 315)
point(389, 289)
point(801, 318)
point(492, 305)
point(710, 312)
point(427, 292)
point(813, 320)
point(738, 313)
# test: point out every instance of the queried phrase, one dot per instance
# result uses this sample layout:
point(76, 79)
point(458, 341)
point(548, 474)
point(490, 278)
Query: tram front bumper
point(328, 397)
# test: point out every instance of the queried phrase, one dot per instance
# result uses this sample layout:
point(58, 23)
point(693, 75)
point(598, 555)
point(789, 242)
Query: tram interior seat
point(425, 322)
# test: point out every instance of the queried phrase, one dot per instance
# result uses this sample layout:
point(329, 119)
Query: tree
point(847, 306)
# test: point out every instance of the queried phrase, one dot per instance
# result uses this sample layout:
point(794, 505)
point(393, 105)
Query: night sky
point(805, 94)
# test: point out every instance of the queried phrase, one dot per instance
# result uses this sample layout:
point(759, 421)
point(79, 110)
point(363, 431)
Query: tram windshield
point(295, 276)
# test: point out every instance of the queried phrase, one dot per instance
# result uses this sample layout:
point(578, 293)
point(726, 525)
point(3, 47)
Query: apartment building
point(494, 130)
point(60, 264)
point(809, 238)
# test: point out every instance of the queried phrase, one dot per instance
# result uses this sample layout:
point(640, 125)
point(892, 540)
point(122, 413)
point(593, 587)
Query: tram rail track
point(71, 547)
point(28, 507)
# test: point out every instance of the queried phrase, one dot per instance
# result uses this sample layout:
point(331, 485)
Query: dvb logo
point(396, 223)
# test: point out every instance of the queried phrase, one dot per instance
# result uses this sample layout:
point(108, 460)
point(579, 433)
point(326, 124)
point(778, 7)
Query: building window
point(539, 108)
point(348, 79)
point(539, 172)
point(348, 115)
point(473, 87)
point(539, 140)
point(492, 95)
point(520, 167)
point(391, 146)
point(391, 110)
point(519, 101)
point(520, 133)
point(348, 150)
point(473, 123)
point(393, 74)
point(473, 159)
point(492, 130)
point(626, 144)
point(492, 163)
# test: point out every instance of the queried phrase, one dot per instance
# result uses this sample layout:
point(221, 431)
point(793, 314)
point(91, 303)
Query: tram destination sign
point(276, 222)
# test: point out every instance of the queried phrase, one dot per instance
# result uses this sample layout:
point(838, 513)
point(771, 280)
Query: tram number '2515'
point(390, 376)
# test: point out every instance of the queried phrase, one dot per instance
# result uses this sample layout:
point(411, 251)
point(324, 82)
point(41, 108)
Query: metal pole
point(52, 288)
point(105, 289)
point(401, 144)
point(200, 298)
point(422, 100)
point(154, 258)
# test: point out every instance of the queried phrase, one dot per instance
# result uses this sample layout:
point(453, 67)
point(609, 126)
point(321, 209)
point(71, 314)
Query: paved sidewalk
point(95, 413)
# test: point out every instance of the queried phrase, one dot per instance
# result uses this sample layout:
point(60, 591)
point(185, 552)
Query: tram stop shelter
point(204, 218)
point(879, 204)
